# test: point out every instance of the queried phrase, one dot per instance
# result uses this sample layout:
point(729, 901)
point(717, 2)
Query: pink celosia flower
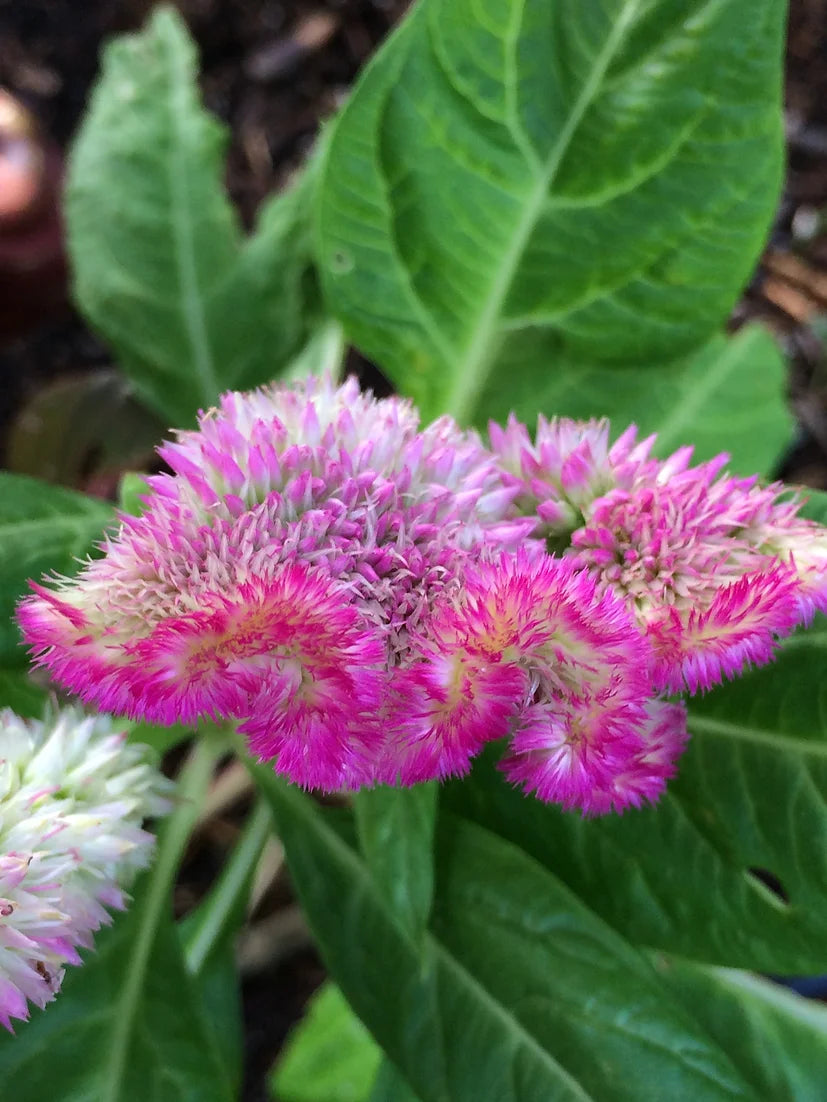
point(716, 568)
point(375, 602)
point(441, 712)
point(72, 798)
point(292, 654)
point(528, 647)
point(304, 534)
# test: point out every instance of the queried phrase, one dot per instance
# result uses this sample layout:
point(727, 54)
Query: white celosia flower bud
point(73, 795)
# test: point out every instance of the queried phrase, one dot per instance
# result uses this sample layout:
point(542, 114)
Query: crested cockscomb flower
point(715, 568)
point(372, 601)
point(73, 795)
point(584, 753)
point(278, 572)
point(529, 647)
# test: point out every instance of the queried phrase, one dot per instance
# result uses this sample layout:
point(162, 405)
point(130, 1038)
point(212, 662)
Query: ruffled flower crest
point(373, 601)
point(716, 568)
point(276, 576)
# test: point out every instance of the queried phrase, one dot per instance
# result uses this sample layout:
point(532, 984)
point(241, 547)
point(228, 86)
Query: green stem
point(212, 917)
point(192, 787)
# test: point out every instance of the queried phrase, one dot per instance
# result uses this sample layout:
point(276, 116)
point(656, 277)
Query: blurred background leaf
point(329, 1057)
point(42, 528)
point(161, 268)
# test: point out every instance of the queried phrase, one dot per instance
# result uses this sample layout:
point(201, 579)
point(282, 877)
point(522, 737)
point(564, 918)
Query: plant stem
point(212, 917)
point(192, 787)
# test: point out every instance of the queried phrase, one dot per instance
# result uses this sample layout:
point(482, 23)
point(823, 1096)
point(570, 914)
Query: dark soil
point(272, 71)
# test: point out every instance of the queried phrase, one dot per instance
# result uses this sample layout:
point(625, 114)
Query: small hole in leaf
point(341, 262)
point(771, 882)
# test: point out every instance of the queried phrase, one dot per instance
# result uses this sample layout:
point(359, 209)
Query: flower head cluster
point(73, 795)
point(529, 648)
point(276, 577)
point(373, 601)
point(716, 569)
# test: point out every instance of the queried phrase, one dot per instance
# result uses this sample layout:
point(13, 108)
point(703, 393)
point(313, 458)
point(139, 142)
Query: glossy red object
point(33, 272)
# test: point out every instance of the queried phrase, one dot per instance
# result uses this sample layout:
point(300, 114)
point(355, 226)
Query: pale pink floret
point(566, 466)
point(73, 796)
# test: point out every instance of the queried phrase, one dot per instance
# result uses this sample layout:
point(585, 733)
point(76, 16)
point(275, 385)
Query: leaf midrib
point(700, 724)
point(511, 1021)
point(472, 371)
point(685, 412)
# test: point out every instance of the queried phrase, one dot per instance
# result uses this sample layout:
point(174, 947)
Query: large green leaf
point(600, 173)
point(524, 994)
point(390, 1086)
point(161, 268)
point(690, 874)
point(729, 396)
point(776, 1039)
point(396, 836)
point(42, 528)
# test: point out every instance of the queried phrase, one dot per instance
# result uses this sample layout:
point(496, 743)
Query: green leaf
point(390, 1086)
point(600, 174)
point(329, 1056)
point(776, 1039)
point(21, 694)
point(42, 528)
point(815, 505)
point(82, 430)
point(324, 353)
point(689, 875)
point(160, 266)
point(729, 396)
point(526, 994)
point(131, 488)
point(63, 1052)
point(159, 738)
point(396, 836)
point(209, 933)
point(127, 1025)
